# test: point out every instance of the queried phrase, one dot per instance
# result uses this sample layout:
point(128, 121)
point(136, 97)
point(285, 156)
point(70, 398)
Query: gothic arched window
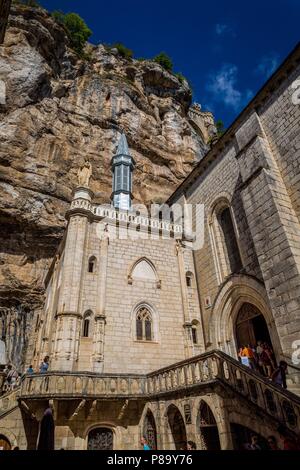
point(228, 236)
point(144, 326)
point(225, 240)
point(195, 326)
point(87, 325)
point(92, 264)
point(189, 279)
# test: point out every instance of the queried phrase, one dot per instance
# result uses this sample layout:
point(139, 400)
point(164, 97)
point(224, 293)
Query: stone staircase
point(293, 378)
point(282, 406)
point(191, 375)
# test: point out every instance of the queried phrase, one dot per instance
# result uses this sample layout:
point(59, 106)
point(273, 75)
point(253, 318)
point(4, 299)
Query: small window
point(86, 327)
point(118, 178)
point(87, 324)
point(194, 334)
point(92, 264)
point(144, 329)
point(195, 326)
point(189, 279)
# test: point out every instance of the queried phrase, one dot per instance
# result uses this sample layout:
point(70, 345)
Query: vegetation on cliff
point(76, 28)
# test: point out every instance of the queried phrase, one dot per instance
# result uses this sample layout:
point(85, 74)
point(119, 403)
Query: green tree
point(76, 27)
point(123, 50)
point(220, 127)
point(164, 60)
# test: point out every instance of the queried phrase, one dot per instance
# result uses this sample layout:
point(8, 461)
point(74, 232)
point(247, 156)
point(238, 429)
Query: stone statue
point(84, 174)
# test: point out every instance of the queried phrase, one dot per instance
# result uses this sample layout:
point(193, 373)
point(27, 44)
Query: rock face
point(60, 111)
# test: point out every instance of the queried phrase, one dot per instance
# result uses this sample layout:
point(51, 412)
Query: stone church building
point(145, 313)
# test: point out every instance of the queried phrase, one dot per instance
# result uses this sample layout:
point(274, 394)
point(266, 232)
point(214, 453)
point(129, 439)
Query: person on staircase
point(267, 361)
point(248, 352)
point(279, 374)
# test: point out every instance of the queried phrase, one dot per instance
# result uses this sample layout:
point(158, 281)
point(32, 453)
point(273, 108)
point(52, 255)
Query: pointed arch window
point(87, 324)
point(225, 240)
point(195, 332)
point(92, 264)
point(144, 325)
point(189, 279)
point(228, 236)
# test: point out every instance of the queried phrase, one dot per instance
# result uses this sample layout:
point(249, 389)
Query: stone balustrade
point(9, 400)
point(84, 384)
point(124, 217)
point(208, 368)
point(282, 405)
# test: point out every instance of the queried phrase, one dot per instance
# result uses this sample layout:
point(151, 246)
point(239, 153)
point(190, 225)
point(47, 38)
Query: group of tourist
point(287, 442)
point(261, 358)
point(13, 377)
point(44, 366)
point(190, 445)
point(256, 442)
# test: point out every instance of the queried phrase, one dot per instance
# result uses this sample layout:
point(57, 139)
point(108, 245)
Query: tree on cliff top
point(76, 27)
point(164, 60)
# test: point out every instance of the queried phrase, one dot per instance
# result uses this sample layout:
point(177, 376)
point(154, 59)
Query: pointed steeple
point(123, 146)
point(122, 165)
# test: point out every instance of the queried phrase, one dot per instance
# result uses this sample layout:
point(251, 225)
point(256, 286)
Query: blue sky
point(227, 49)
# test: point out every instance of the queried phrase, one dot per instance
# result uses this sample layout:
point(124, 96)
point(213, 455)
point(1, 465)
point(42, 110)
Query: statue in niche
point(84, 174)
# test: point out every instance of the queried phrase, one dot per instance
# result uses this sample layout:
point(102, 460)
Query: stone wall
point(254, 170)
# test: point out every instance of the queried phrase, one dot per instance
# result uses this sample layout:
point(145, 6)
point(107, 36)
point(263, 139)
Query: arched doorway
point(100, 439)
point(4, 443)
point(177, 427)
point(251, 326)
point(208, 428)
point(149, 430)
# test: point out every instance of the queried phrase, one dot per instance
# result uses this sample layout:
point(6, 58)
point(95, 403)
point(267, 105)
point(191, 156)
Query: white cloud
point(222, 28)
point(267, 65)
point(222, 87)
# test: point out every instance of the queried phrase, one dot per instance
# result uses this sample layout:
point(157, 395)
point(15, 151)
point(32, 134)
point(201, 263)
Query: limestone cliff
point(61, 110)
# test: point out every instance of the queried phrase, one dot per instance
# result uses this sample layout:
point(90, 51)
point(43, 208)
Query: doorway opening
point(251, 326)
point(208, 428)
point(4, 443)
point(149, 430)
point(177, 427)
